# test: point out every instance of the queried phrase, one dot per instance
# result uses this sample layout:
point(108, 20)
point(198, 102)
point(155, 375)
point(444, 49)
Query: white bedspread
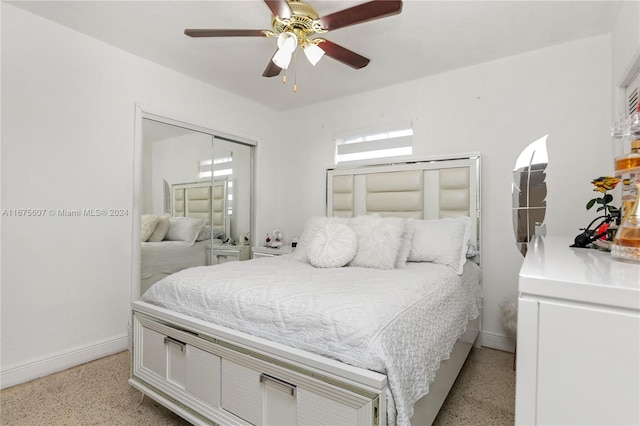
point(400, 322)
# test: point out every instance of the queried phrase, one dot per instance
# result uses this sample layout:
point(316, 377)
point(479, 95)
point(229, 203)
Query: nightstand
point(269, 252)
point(226, 253)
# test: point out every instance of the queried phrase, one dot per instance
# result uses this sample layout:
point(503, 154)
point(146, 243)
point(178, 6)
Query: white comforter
point(400, 322)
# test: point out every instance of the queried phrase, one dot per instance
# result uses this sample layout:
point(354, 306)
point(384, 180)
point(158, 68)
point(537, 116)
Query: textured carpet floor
point(97, 393)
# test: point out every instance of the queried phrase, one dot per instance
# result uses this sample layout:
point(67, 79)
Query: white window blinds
point(374, 143)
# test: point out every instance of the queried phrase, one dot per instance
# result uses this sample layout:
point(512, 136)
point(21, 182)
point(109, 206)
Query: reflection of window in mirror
point(221, 165)
point(529, 191)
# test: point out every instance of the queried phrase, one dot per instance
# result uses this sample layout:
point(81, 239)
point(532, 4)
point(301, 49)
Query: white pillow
point(405, 243)
point(332, 246)
point(441, 241)
point(379, 241)
point(310, 228)
point(147, 226)
point(161, 229)
point(184, 229)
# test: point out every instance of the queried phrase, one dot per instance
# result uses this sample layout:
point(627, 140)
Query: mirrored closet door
point(193, 195)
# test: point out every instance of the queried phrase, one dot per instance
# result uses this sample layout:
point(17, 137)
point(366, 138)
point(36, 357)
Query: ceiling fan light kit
point(313, 53)
point(287, 43)
point(296, 23)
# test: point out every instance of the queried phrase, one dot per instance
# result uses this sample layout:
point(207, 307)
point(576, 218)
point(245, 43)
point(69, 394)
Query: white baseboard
point(498, 341)
point(33, 369)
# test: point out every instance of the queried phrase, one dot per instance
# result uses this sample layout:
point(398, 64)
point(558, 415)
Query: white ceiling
point(427, 38)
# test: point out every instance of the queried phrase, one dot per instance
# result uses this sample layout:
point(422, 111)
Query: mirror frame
point(152, 113)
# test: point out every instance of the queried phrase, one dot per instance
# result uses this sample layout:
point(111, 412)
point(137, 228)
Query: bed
point(197, 221)
point(287, 340)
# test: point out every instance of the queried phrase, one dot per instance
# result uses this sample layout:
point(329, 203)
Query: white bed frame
point(211, 374)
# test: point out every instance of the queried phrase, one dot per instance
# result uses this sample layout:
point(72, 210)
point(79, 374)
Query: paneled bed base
point(213, 375)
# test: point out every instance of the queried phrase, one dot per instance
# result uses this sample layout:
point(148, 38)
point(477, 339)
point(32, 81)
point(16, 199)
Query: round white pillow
point(332, 246)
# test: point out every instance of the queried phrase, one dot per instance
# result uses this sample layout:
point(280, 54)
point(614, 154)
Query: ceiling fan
point(296, 24)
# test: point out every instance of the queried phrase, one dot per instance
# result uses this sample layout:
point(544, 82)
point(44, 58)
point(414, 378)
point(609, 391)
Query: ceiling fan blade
point(343, 55)
point(272, 69)
point(361, 13)
point(224, 33)
point(279, 8)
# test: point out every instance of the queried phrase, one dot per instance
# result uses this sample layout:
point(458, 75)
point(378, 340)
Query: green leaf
point(591, 203)
point(608, 198)
point(600, 209)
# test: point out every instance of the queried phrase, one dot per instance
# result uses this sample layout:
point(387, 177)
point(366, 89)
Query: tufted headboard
point(431, 189)
point(202, 200)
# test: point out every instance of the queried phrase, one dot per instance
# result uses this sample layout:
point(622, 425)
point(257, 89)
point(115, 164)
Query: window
point(375, 143)
point(631, 93)
point(220, 165)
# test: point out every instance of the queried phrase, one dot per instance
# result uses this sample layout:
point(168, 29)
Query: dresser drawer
point(262, 394)
point(256, 397)
point(165, 360)
point(222, 256)
point(225, 253)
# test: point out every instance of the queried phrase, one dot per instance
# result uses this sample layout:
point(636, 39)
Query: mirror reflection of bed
point(183, 239)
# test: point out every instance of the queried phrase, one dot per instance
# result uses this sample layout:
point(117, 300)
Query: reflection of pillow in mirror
point(379, 241)
point(184, 229)
point(147, 226)
point(161, 229)
point(217, 232)
point(208, 232)
point(472, 250)
point(442, 241)
point(332, 246)
point(204, 234)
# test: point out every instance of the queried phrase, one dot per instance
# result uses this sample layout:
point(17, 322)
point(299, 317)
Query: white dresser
point(269, 252)
point(227, 253)
point(578, 359)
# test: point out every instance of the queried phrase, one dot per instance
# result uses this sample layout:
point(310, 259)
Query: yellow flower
point(605, 183)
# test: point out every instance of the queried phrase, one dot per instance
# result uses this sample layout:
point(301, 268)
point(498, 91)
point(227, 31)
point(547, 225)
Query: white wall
point(68, 104)
point(497, 108)
point(174, 160)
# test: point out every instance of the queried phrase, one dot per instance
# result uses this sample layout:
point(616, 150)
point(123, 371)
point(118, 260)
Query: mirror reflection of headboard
point(431, 189)
point(202, 200)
